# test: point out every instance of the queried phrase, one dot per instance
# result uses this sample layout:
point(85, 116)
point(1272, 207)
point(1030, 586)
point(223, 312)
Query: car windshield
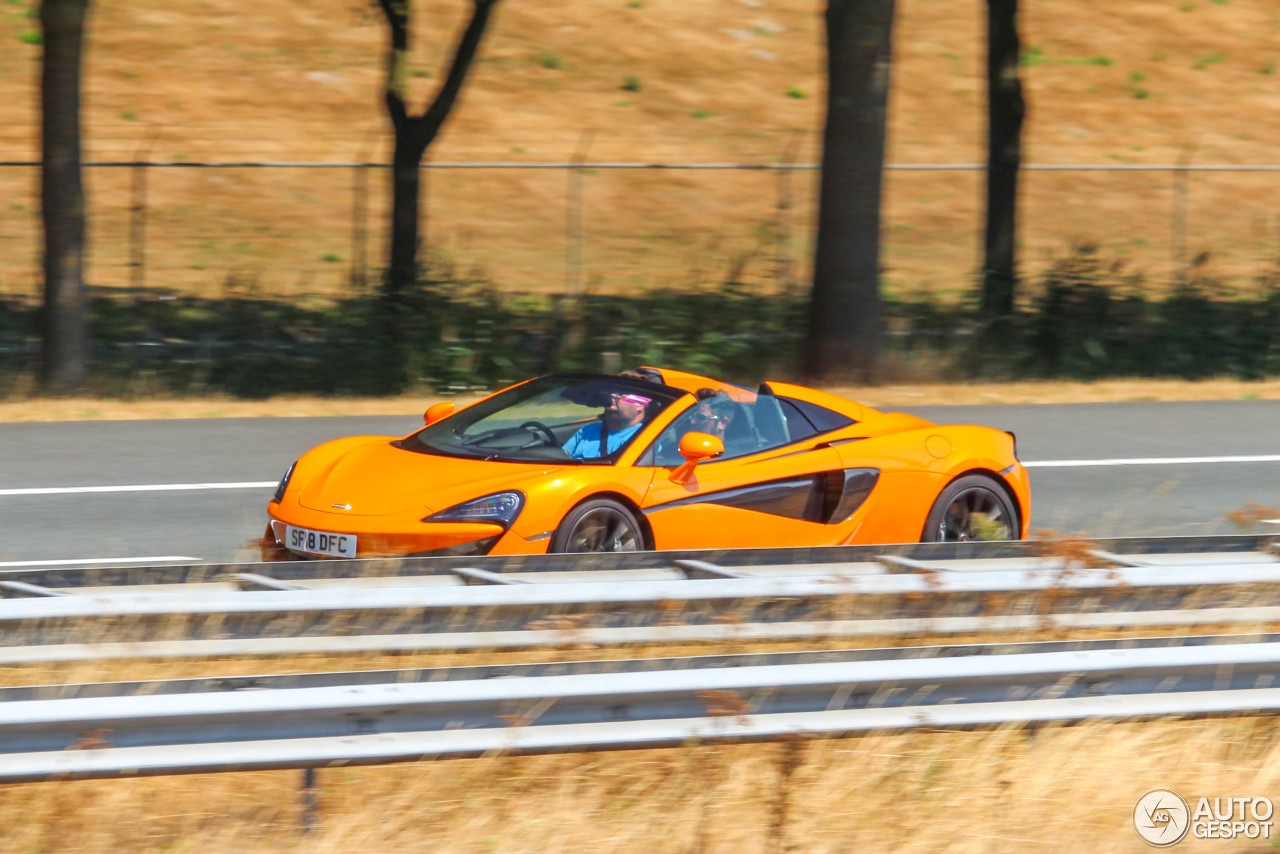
point(562, 418)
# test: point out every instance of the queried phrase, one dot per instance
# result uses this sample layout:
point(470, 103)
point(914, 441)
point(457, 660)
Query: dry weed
point(1006, 789)
point(1250, 514)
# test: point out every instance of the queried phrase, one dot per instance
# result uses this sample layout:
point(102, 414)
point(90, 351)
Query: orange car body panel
point(692, 525)
point(382, 494)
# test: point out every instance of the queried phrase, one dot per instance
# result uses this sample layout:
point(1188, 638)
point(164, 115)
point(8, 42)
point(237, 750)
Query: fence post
point(784, 169)
point(138, 212)
point(1179, 223)
point(360, 215)
point(424, 210)
point(573, 217)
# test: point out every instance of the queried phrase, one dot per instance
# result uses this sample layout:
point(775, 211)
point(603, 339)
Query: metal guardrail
point(67, 578)
point(579, 637)
point(690, 600)
point(346, 719)
point(837, 581)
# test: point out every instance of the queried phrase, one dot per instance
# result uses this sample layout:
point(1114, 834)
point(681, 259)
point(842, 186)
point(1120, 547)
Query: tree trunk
point(414, 134)
point(1005, 112)
point(64, 358)
point(846, 313)
point(406, 181)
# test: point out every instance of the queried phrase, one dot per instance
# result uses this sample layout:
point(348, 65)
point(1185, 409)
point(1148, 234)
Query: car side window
point(798, 427)
point(744, 427)
point(818, 419)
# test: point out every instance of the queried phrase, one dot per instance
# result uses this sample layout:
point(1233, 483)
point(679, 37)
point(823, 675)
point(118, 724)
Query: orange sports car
point(649, 459)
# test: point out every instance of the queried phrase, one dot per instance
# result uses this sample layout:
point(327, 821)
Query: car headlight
point(284, 483)
point(501, 508)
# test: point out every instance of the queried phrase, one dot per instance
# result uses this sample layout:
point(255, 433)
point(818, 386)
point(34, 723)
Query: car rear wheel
point(973, 507)
point(598, 525)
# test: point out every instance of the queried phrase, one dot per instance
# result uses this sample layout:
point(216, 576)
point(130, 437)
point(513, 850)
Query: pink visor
point(635, 399)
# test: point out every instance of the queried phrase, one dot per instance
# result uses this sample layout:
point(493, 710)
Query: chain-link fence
point(290, 228)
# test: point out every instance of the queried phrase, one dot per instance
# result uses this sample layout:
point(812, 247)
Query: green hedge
point(1090, 319)
point(1082, 318)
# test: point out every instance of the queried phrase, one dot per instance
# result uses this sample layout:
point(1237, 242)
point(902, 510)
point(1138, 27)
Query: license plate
point(319, 542)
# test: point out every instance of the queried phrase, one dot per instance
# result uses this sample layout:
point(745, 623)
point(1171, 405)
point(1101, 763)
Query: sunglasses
point(633, 399)
point(699, 418)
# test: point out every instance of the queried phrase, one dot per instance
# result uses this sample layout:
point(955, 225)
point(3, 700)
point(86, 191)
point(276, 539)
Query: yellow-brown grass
point(1008, 789)
point(718, 81)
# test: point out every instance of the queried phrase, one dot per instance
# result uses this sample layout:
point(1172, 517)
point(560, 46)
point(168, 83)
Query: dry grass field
point(721, 81)
point(1008, 790)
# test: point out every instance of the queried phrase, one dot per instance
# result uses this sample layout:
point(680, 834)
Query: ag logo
point(1161, 818)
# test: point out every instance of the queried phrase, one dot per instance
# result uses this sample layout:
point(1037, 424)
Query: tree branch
point(397, 14)
point(435, 115)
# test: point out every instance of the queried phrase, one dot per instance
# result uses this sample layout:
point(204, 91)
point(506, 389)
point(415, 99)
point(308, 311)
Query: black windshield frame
point(439, 438)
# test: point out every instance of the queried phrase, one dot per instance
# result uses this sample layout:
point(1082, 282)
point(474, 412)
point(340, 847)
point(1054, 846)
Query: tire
point(956, 516)
point(598, 525)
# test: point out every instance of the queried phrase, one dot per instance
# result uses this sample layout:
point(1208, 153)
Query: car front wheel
point(598, 525)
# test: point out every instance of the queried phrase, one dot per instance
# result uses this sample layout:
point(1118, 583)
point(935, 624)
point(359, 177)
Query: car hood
point(379, 479)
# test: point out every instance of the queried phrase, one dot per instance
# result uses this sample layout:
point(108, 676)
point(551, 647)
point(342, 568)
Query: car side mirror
point(695, 447)
point(437, 411)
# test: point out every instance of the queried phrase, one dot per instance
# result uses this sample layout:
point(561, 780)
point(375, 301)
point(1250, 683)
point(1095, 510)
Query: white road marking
point(154, 487)
point(79, 560)
point(1151, 461)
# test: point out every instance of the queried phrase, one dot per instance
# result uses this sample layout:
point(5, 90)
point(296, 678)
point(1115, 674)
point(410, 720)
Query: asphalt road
point(1106, 496)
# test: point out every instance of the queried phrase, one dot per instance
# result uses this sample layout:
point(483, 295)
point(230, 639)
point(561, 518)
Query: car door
point(766, 490)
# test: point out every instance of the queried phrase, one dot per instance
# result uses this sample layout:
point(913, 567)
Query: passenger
point(714, 413)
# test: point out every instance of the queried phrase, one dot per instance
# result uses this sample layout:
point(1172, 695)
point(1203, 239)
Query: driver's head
point(624, 409)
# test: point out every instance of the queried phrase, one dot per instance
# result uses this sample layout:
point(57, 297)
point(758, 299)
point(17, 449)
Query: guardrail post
point(790, 757)
point(309, 800)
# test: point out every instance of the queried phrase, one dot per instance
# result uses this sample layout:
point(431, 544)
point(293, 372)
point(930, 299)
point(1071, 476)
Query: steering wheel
point(539, 427)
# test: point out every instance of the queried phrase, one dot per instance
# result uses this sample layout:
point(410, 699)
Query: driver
point(622, 418)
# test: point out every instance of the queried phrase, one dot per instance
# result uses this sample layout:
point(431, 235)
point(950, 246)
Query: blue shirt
point(585, 444)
